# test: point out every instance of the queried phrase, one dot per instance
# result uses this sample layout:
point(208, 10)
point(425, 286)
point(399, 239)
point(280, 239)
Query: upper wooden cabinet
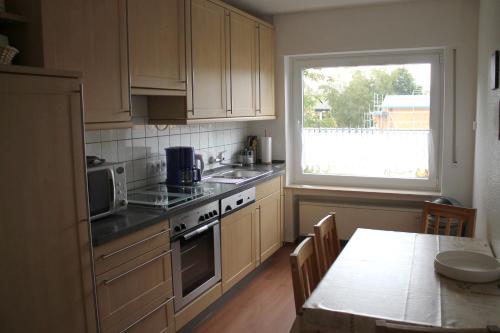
point(243, 57)
point(157, 45)
point(265, 101)
point(229, 68)
point(90, 36)
point(208, 92)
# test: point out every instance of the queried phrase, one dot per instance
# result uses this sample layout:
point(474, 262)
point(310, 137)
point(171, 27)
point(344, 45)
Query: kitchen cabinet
point(238, 246)
point(269, 210)
point(265, 99)
point(229, 68)
point(90, 36)
point(243, 58)
point(134, 282)
point(46, 281)
point(208, 92)
point(157, 46)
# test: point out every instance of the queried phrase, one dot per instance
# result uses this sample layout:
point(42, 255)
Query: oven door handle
point(200, 230)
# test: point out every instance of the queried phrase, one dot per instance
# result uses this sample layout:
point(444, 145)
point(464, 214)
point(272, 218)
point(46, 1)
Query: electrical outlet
point(154, 168)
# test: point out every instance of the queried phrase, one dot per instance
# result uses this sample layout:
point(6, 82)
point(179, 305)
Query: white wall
point(487, 159)
point(422, 23)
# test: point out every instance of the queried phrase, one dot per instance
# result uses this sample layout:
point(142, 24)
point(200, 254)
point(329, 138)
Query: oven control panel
point(237, 201)
point(194, 217)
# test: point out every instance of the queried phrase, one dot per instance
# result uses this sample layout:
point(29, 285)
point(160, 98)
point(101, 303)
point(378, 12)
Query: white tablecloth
point(390, 275)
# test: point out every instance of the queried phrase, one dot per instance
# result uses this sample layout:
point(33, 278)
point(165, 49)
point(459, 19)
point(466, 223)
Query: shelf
point(14, 18)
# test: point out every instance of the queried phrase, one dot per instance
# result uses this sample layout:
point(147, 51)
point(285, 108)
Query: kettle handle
point(199, 157)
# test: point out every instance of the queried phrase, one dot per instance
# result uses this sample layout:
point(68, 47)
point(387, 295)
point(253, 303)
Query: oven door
point(196, 263)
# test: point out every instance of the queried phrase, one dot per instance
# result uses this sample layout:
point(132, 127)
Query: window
point(367, 119)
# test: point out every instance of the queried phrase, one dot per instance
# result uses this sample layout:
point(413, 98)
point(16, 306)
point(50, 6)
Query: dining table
point(390, 275)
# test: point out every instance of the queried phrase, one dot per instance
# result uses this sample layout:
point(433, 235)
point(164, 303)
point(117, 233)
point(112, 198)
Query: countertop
point(134, 218)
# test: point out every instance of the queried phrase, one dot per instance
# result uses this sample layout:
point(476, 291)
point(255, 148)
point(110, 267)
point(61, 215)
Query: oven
point(196, 259)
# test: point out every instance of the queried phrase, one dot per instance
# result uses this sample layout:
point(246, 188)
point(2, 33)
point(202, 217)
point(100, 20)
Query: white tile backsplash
point(163, 142)
point(152, 147)
point(92, 136)
point(93, 149)
point(109, 135)
point(110, 151)
point(124, 148)
point(203, 140)
point(186, 139)
point(145, 143)
point(138, 148)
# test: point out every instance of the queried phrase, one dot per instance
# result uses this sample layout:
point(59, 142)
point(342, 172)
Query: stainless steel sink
point(236, 176)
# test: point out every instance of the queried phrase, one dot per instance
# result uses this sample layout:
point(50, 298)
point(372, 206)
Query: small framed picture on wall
point(494, 69)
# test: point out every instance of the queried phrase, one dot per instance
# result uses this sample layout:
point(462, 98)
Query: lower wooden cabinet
point(252, 234)
point(238, 246)
point(125, 291)
point(269, 210)
point(158, 320)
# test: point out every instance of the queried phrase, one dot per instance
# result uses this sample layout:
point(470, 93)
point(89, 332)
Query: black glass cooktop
point(163, 196)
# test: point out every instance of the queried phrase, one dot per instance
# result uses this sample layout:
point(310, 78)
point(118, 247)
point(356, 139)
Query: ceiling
point(272, 7)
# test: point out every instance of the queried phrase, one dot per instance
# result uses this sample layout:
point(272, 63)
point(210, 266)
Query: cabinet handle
point(106, 256)
point(148, 314)
point(106, 282)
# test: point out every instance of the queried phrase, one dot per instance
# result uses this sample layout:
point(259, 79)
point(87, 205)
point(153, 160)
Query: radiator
point(349, 217)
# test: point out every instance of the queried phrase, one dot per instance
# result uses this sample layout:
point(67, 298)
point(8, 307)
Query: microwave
point(107, 189)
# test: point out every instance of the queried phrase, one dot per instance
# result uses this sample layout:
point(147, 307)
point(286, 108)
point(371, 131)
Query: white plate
point(467, 266)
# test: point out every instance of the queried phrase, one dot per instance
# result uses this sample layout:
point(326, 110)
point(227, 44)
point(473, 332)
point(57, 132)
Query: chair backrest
point(448, 220)
point(384, 327)
point(305, 273)
point(327, 242)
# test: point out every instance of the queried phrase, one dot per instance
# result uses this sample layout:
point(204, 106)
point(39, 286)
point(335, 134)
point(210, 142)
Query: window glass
point(367, 121)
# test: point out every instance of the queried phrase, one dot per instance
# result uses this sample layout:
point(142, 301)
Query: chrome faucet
point(220, 158)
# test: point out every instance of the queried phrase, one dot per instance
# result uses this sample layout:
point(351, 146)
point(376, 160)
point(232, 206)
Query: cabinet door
point(270, 218)
point(266, 71)
point(157, 44)
point(125, 292)
point(208, 60)
point(243, 66)
point(159, 320)
point(46, 281)
point(90, 36)
point(237, 246)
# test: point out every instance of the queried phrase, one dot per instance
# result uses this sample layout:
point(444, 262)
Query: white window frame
point(296, 65)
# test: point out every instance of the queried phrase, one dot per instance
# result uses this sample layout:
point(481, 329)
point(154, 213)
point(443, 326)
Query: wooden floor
point(264, 305)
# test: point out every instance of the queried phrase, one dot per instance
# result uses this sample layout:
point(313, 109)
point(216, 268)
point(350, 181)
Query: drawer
point(124, 249)
point(159, 318)
point(264, 189)
point(125, 291)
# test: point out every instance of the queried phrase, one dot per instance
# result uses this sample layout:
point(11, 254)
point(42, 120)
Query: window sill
point(357, 192)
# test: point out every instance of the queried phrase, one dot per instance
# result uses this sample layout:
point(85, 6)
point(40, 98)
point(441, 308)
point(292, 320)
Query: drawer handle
point(148, 314)
point(106, 282)
point(106, 256)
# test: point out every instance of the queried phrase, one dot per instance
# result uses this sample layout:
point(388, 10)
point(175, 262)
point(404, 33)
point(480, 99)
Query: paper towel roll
point(266, 149)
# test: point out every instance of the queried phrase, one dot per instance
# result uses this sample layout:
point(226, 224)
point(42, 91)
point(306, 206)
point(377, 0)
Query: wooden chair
point(384, 327)
point(327, 242)
point(305, 273)
point(447, 219)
